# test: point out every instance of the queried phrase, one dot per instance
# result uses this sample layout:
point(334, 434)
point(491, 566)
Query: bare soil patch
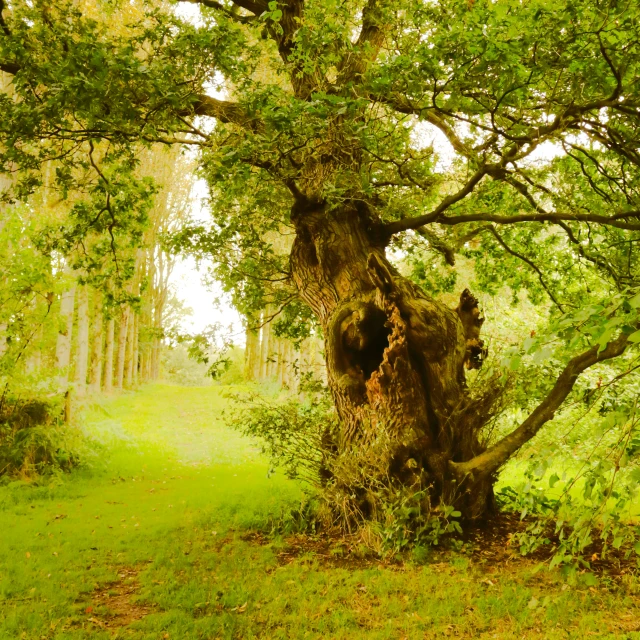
point(493, 544)
point(113, 605)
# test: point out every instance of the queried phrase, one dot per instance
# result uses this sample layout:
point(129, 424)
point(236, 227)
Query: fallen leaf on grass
point(98, 622)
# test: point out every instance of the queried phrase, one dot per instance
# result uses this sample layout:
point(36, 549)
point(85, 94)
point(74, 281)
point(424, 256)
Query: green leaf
point(634, 337)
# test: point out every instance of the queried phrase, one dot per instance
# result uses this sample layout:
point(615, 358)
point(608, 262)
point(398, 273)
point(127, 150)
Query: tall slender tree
point(82, 352)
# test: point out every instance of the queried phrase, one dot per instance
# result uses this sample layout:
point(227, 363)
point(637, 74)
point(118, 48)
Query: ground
point(164, 537)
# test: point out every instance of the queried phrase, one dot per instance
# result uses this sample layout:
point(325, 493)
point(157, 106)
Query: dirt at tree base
point(490, 545)
point(493, 543)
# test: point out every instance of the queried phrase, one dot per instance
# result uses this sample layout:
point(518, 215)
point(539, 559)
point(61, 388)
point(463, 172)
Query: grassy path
point(148, 544)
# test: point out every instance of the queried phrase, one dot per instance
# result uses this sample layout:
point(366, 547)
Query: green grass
point(148, 544)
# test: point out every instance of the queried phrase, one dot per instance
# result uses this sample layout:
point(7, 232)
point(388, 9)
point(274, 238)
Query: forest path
point(151, 543)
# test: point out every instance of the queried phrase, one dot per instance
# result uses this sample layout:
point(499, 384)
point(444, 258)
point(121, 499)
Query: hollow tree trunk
point(395, 363)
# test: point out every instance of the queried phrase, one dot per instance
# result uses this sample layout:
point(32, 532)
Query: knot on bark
point(472, 322)
point(380, 274)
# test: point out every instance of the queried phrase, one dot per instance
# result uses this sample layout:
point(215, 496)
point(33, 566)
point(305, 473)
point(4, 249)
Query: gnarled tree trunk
point(396, 363)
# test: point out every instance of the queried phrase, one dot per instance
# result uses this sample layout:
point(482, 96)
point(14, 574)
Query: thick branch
point(369, 41)
point(212, 4)
point(489, 461)
point(229, 112)
point(616, 220)
point(9, 67)
point(3, 24)
point(257, 8)
point(419, 221)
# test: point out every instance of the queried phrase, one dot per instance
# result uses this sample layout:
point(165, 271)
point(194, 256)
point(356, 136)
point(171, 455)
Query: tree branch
point(437, 217)
point(414, 223)
point(402, 104)
point(369, 43)
point(3, 24)
point(228, 112)
point(212, 4)
point(515, 254)
point(9, 67)
point(494, 457)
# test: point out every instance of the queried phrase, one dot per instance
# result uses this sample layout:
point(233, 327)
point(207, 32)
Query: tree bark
point(3, 338)
point(63, 342)
point(136, 351)
point(265, 333)
point(95, 376)
point(251, 354)
point(122, 345)
point(82, 356)
point(108, 356)
point(396, 363)
point(129, 351)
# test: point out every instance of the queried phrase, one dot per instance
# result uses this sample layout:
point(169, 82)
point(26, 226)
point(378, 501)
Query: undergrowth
point(35, 440)
point(591, 510)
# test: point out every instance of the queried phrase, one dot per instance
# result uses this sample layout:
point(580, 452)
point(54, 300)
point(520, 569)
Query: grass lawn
point(153, 542)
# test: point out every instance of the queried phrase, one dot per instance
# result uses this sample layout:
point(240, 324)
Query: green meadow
point(165, 534)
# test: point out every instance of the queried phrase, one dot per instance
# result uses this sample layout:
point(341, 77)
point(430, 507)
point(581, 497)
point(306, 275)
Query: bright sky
point(209, 303)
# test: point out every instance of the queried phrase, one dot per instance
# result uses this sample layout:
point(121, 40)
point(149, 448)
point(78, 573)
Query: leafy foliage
point(295, 435)
point(34, 439)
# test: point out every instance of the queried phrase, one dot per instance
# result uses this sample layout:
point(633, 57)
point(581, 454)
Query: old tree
point(314, 120)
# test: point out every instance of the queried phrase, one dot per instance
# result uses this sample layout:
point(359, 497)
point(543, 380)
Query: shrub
point(294, 434)
point(297, 436)
point(34, 439)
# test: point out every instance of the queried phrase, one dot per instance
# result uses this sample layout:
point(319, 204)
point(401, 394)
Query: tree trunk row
point(271, 358)
point(99, 349)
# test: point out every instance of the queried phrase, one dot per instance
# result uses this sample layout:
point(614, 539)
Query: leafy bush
point(178, 367)
point(409, 522)
point(589, 510)
point(297, 437)
point(233, 372)
point(34, 440)
point(294, 435)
